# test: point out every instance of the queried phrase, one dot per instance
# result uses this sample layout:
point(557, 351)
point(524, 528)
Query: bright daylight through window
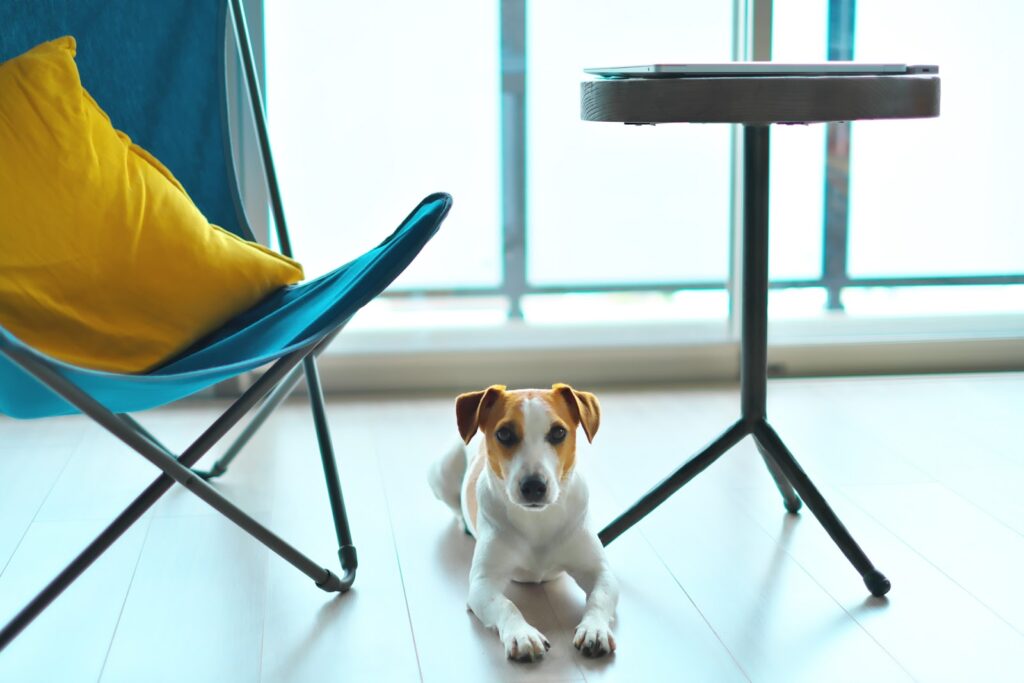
point(557, 221)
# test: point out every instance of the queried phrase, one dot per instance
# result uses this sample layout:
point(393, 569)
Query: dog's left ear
point(583, 405)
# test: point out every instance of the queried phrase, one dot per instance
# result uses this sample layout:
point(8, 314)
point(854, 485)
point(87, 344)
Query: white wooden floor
point(719, 584)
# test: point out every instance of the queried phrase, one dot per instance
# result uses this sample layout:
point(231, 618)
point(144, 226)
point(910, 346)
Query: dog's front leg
point(594, 634)
point(522, 642)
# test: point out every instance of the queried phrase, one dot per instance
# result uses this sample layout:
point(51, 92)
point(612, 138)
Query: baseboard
point(452, 371)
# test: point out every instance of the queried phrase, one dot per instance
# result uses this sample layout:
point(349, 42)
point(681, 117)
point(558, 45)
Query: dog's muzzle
point(533, 490)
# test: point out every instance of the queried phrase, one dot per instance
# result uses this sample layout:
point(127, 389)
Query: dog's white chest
point(535, 543)
point(537, 567)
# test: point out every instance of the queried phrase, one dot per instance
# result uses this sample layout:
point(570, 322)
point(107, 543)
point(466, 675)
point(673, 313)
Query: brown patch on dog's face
point(504, 431)
point(491, 412)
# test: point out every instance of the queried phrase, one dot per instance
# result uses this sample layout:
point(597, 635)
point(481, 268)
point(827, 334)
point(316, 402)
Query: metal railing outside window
point(515, 283)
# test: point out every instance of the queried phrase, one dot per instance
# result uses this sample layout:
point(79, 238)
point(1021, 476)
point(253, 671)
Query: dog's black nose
point(533, 488)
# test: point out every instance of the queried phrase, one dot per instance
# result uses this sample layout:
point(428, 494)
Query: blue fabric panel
point(289, 319)
point(157, 68)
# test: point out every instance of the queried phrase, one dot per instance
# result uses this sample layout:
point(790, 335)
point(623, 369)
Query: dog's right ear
point(471, 408)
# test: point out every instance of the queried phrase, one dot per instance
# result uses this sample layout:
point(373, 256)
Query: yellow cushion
point(105, 262)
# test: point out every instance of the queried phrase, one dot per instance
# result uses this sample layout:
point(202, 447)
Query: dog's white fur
point(529, 544)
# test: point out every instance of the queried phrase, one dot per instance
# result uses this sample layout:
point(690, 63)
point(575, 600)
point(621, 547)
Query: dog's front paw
point(594, 639)
point(525, 644)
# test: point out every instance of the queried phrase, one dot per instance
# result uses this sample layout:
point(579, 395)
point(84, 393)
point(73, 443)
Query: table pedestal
point(784, 468)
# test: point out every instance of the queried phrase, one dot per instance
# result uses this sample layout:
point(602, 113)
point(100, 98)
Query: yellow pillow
point(105, 262)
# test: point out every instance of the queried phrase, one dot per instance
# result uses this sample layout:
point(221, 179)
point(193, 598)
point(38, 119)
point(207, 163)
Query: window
point(375, 105)
point(563, 223)
point(931, 223)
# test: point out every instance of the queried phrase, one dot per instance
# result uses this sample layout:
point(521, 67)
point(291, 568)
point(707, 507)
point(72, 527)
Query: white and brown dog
point(523, 501)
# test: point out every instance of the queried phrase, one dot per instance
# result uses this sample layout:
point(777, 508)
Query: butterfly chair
point(159, 70)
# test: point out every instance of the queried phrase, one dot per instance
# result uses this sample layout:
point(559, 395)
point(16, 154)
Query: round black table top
point(759, 99)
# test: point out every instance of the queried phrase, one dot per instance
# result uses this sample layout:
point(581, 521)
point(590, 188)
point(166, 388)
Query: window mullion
point(513, 158)
point(834, 270)
point(752, 40)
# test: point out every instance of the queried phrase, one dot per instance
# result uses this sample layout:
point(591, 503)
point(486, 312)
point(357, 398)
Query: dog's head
point(531, 436)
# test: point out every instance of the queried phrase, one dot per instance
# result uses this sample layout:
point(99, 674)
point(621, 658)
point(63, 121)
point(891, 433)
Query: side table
point(756, 102)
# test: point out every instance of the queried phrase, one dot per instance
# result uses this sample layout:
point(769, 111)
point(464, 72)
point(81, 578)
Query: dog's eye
point(557, 434)
point(505, 436)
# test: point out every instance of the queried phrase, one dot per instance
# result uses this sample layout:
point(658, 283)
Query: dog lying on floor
point(523, 501)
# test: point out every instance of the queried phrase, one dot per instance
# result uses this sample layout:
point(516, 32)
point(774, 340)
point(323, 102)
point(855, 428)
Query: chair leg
point(789, 498)
point(270, 404)
point(323, 577)
point(276, 398)
point(153, 492)
point(346, 551)
point(131, 434)
point(777, 451)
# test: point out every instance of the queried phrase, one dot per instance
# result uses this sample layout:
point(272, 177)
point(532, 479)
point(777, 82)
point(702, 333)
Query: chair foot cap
point(212, 473)
point(793, 506)
point(348, 558)
point(335, 584)
point(877, 583)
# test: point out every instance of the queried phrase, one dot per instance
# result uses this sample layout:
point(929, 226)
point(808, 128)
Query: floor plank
point(28, 477)
point(921, 422)
point(937, 630)
point(99, 481)
point(843, 443)
point(309, 635)
point(66, 432)
point(996, 490)
point(33, 455)
point(981, 555)
point(196, 606)
point(69, 641)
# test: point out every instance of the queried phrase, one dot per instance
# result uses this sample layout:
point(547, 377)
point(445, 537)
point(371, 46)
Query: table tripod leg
point(777, 451)
point(789, 498)
point(660, 493)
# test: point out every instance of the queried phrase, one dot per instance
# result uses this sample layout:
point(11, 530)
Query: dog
point(522, 500)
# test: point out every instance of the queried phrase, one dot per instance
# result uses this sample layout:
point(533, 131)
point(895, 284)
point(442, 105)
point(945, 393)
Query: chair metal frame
point(272, 387)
